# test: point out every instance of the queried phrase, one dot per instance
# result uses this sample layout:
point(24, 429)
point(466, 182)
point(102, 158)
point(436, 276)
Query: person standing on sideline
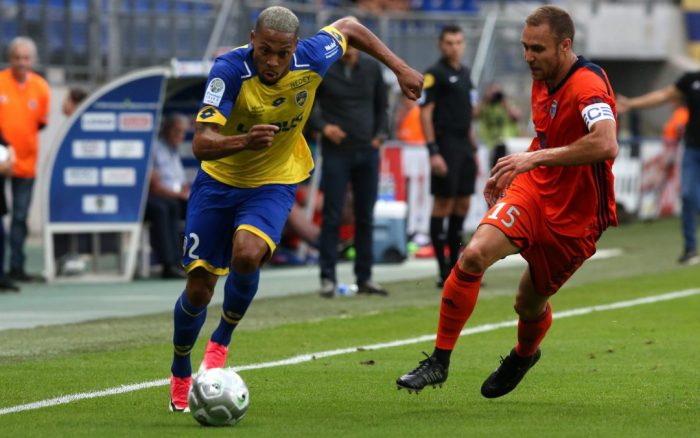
point(168, 193)
point(550, 204)
point(351, 113)
point(496, 119)
point(686, 89)
point(446, 117)
point(249, 139)
point(6, 164)
point(24, 108)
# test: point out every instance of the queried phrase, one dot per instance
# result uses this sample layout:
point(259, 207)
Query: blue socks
point(239, 291)
point(188, 320)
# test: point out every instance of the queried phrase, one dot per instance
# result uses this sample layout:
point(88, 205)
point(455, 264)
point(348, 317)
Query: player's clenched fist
point(260, 136)
point(411, 82)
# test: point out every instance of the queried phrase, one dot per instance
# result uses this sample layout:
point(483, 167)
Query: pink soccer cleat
point(179, 390)
point(214, 356)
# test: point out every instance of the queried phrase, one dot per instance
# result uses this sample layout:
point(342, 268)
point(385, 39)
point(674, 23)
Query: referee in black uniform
point(446, 118)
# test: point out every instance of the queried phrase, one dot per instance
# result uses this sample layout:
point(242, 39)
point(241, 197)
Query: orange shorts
point(552, 257)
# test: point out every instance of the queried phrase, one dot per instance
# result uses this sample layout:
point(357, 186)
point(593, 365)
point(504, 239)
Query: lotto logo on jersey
point(207, 113)
point(337, 36)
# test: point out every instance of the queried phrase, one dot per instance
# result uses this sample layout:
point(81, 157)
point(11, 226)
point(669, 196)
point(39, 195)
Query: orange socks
point(458, 300)
point(531, 333)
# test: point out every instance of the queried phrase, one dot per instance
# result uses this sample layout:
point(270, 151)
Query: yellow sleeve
point(338, 36)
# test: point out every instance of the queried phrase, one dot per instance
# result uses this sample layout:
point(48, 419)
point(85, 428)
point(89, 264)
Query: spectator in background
point(687, 89)
point(6, 163)
point(496, 121)
point(351, 113)
point(24, 107)
point(167, 195)
point(446, 118)
point(378, 6)
point(408, 126)
point(73, 98)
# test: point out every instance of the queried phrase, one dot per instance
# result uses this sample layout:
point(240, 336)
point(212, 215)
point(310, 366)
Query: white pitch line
point(330, 353)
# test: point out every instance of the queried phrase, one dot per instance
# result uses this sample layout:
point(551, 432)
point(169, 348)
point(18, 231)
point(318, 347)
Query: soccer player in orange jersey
point(24, 108)
point(550, 204)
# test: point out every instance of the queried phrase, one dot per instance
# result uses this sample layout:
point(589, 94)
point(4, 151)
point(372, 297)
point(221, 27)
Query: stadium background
point(628, 372)
point(90, 42)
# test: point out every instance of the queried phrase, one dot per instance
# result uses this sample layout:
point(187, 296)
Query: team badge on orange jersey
point(553, 109)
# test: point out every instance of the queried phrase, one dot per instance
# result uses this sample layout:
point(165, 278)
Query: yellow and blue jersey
point(236, 99)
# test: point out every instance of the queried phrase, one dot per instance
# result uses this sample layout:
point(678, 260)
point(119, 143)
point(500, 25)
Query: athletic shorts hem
point(258, 232)
point(207, 266)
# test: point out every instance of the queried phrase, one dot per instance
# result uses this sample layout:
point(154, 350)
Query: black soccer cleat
point(429, 372)
point(511, 371)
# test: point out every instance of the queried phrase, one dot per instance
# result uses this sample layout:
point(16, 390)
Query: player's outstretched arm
point(359, 36)
point(654, 98)
point(209, 144)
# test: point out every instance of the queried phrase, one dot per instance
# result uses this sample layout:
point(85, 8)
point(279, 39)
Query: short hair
point(22, 41)
point(77, 94)
point(171, 120)
point(558, 19)
point(450, 28)
point(278, 18)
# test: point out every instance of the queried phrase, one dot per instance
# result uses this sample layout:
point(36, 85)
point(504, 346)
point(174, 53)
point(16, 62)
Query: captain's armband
point(596, 112)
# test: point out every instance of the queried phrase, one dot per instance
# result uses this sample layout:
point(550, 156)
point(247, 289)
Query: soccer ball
point(218, 397)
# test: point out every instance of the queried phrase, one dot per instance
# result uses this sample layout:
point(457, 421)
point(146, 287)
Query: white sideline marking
point(329, 353)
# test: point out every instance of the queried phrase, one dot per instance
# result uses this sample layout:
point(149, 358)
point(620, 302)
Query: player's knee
point(246, 260)
point(474, 260)
point(199, 293)
point(200, 287)
point(527, 310)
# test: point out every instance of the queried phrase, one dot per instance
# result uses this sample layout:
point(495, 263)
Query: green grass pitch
point(624, 372)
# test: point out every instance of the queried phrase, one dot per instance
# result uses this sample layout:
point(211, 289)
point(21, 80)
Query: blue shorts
point(215, 211)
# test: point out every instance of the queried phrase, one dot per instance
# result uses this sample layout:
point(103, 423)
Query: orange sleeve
point(591, 89)
point(44, 103)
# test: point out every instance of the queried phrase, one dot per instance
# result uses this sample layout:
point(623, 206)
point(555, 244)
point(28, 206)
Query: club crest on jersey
point(553, 109)
point(301, 97)
point(279, 101)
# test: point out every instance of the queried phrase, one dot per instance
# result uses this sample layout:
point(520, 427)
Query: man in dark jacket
point(351, 114)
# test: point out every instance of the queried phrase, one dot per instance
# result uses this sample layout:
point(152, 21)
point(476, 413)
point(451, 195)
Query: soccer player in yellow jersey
point(248, 136)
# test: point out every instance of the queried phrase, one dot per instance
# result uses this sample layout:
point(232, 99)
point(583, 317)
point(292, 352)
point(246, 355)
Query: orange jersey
point(577, 201)
point(24, 109)
point(675, 125)
point(410, 130)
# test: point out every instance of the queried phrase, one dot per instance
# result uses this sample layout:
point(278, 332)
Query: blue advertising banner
point(100, 167)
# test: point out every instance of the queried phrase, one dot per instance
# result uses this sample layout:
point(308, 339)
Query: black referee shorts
point(458, 153)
